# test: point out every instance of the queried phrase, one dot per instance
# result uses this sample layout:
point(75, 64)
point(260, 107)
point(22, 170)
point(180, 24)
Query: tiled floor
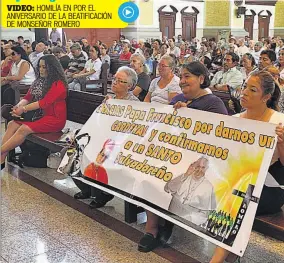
point(37, 228)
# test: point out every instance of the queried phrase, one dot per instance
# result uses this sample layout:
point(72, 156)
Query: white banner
point(200, 170)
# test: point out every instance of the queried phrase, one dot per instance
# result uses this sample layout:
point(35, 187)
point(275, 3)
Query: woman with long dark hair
point(259, 98)
point(47, 95)
point(21, 72)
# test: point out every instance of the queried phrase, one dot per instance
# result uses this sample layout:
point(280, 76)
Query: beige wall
point(146, 12)
point(217, 13)
point(279, 14)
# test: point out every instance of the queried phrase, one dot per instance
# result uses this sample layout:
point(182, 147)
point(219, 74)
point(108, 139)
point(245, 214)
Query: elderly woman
point(166, 86)
point(21, 71)
point(259, 98)
point(47, 94)
point(249, 65)
point(194, 83)
point(124, 81)
point(137, 62)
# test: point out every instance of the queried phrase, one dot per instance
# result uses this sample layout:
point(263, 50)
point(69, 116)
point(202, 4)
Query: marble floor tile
point(28, 244)
point(81, 234)
point(121, 251)
point(56, 256)
point(2, 260)
point(11, 225)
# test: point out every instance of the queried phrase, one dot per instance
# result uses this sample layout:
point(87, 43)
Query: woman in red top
point(47, 93)
point(7, 63)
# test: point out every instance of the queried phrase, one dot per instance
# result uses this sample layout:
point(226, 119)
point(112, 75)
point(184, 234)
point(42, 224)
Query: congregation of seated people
point(188, 73)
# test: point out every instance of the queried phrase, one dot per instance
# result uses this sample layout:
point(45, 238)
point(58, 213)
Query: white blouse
point(28, 78)
point(159, 95)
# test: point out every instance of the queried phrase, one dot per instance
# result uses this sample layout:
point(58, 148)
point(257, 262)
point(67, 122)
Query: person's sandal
point(148, 242)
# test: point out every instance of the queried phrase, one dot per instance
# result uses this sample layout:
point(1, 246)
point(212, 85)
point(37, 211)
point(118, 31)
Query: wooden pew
point(271, 225)
point(80, 106)
point(115, 64)
point(103, 81)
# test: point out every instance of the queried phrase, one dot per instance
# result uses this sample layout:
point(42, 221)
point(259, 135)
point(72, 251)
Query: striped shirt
point(76, 64)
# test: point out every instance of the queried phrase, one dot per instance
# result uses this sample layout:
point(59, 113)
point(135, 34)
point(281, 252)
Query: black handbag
point(31, 116)
point(228, 99)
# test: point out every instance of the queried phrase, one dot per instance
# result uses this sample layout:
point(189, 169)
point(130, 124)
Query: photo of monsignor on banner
point(202, 171)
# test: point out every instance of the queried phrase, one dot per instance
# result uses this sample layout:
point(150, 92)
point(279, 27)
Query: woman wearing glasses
point(259, 98)
point(21, 71)
point(164, 88)
point(124, 81)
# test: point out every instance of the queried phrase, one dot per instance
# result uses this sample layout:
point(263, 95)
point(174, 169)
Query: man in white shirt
point(251, 46)
point(141, 47)
point(242, 48)
point(234, 41)
point(173, 49)
point(37, 54)
point(257, 50)
point(193, 194)
point(229, 77)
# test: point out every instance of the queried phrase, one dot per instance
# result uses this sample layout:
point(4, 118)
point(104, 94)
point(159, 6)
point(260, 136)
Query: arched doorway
point(167, 21)
point(189, 20)
point(263, 24)
point(248, 24)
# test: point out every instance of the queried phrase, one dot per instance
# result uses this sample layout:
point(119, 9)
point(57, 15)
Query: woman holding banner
point(125, 80)
point(259, 98)
point(194, 81)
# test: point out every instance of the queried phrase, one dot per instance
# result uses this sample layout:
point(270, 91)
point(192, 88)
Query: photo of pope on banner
point(202, 171)
point(193, 194)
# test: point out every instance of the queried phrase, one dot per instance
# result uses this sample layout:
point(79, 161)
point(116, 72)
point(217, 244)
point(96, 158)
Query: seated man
point(258, 47)
point(267, 58)
point(77, 62)
point(37, 54)
point(63, 58)
point(229, 77)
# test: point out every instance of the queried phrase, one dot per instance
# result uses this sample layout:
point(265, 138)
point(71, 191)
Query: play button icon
point(128, 12)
